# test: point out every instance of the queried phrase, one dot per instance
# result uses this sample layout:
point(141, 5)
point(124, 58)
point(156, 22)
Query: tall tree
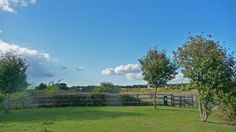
point(12, 75)
point(209, 68)
point(157, 69)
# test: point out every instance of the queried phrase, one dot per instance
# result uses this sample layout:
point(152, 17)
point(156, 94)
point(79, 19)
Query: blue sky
point(85, 37)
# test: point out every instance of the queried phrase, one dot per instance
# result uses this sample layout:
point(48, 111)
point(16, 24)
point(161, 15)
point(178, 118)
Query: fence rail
point(105, 100)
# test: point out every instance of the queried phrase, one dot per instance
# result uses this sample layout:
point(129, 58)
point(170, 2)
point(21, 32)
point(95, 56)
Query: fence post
point(87, 100)
point(180, 101)
point(184, 101)
point(192, 102)
point(171, 99)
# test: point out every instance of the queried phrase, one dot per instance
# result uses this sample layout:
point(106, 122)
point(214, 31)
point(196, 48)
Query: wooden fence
point(105, 100)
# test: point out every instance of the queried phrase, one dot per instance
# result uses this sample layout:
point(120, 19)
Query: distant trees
point(41, 86)
point(210, 69)
point(12, 75)
point(62, 86)
point(157, 69)
point(106, 87)
point(51, 88)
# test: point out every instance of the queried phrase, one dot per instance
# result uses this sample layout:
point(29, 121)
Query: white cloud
point(122, 69)
point(26, 52)
point(134, 76)
point(35, 59)
point(108, 71)
point(132, 71)
point(129, 68)
point(80, 68)
point(179, 78)
point(9, 5)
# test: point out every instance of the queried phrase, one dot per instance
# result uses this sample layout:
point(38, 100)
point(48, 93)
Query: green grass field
point(109, 119)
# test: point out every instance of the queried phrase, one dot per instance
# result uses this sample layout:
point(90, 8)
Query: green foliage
point(2, 98)
point(209, 68)
point(228, 105)
point(129, 100)
point(99, 90)
point(157, 69)
point(106, 87)
point(41, 86)
point(228, 113)
point(12, 73)
point(52, 89)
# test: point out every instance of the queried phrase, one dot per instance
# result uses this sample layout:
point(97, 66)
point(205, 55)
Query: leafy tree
point(41, 86)
point(157, 69)
point(12, 75)
point(209, 68)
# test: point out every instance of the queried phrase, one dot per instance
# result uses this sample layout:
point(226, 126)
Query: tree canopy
point(157, 69)
point(209, 67)
point(12, 74)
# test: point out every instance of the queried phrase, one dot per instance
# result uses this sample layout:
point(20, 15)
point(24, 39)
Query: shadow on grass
point(62, 114)
point(220, 123)
point(177, 109)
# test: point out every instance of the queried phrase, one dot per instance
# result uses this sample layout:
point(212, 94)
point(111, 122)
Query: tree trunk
point(154, 99)
point(203, 112)
point(200, 108)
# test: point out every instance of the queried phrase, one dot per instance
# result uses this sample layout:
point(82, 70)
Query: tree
point(41, 86)
point(106, 87)
point(12, 75)
point(157, 69)
point(209, 68)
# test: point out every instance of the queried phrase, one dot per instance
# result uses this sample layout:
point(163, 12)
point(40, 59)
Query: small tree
point(12, 75)
point(209, 68)
point(157, 69)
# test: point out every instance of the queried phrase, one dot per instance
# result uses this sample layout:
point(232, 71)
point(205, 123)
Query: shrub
point(2, 98)
point(106, 87)
point(129, 100)
point(228, 113)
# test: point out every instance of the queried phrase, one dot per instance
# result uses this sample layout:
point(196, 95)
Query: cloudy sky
point(85, 42)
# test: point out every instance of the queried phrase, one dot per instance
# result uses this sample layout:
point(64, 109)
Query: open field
point(131, 119)
point(175, 91)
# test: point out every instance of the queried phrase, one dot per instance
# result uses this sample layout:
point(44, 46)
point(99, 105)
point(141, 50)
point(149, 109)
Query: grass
point(107, 119)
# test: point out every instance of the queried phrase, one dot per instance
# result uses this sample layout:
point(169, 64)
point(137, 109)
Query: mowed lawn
point(109, 119)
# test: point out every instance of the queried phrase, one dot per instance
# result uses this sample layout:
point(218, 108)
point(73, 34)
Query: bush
point(53, 89)
point(129, 100)
point(228, 113)
point(106, 87)
point(2, 98)
point(98, 99)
